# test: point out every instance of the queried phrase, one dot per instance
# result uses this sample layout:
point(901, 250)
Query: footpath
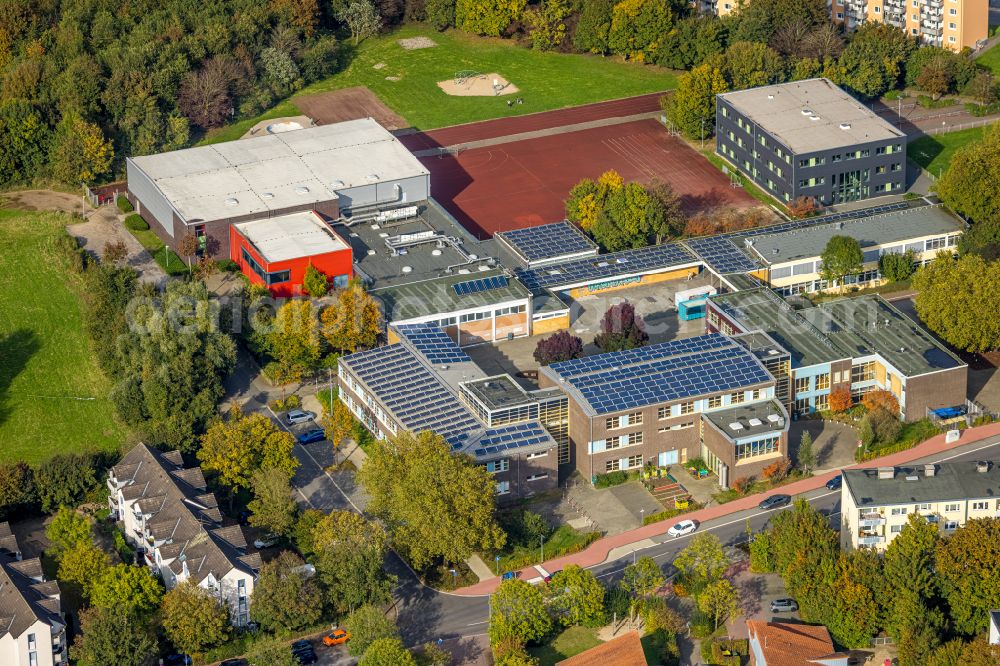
point(611, 548)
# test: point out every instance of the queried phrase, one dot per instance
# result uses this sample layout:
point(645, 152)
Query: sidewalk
point(614, 546)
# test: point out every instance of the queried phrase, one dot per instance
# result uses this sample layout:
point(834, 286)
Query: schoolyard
point(53, 397)
point(406, 80)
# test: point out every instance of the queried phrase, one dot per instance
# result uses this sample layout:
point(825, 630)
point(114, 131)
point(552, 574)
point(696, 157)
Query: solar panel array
point(607, 266)
point(724, 255)
point(580, 366)
point(548, 241)
point(482, 284)
point(411, 392)
point(433, 343)
point(516, 436)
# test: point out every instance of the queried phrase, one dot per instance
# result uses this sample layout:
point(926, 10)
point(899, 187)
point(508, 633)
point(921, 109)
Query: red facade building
point(277, 251)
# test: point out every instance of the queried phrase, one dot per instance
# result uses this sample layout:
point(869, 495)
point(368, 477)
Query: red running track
point(525, 183)
point(492, 129)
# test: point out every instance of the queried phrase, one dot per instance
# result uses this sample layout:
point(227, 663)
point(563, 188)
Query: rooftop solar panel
point(433, 343)
point(599, 362)
point(548, 241)
point(510, 437)
point(483, 284)
point(607, 266)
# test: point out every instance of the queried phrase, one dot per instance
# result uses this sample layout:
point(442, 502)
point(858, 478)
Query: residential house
point(626, 650)
point(780, 644)
point(171, 518)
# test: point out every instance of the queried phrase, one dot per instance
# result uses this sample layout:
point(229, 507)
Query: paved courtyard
point(833, 443)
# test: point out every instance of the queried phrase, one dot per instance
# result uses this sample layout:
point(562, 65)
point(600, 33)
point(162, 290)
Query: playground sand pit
point(478, 85)
point(414, 43)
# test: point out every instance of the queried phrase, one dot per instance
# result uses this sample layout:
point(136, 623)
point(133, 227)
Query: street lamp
point(541, 545)
point(454, 578)
point(642, 516)
point(497, 568)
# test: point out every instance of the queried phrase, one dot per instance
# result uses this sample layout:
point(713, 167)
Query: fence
point(945, 129)
point(104, 194)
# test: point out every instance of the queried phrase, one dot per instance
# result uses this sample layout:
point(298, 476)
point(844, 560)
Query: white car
point(299, 416)
point(682, 528)
point(265, 541)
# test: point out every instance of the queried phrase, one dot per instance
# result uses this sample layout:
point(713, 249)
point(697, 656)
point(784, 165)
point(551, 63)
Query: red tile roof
point(626, 650)
point(792, 644)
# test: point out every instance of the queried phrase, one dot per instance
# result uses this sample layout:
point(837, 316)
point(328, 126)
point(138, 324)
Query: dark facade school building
point(810, 139)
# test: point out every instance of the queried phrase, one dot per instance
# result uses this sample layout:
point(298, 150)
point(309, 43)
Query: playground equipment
point(461, 78)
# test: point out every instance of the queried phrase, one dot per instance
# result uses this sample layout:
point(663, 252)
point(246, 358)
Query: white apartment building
point(876, 503)
point(32, 627)
point(168, 514)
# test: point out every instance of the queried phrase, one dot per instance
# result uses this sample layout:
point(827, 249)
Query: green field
point(53, 397)
point(991, 58)
point(545, 80)
point(934, 153)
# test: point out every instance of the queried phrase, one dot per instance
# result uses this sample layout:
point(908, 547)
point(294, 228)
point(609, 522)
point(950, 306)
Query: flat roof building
point(640, 407)
point(876, 503)
point(861, 343)
point(547, 244)
point(810, 139)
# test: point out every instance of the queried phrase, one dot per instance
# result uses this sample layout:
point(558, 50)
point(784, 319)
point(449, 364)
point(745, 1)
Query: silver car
point(299, 416)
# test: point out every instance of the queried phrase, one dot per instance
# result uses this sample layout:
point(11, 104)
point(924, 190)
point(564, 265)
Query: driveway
point(103, 226)
point(833, 443)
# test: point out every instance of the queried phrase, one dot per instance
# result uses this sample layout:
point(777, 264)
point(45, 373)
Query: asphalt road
point(425, 614)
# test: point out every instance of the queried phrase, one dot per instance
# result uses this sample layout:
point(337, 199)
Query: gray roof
point(438, 296)
point(301, 234)
point(498, 392)
point(909, 485)
point(812, 115)
point(25, 596)
point(883, 229)
point(274, 172)
point(839, 329)
point(754, 419)
point(184, 514)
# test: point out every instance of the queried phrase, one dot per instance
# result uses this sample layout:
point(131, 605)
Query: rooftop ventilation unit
point(813, 117)
point(912, 477)
point(755, 422)
point(774, 418)
point(807, 112)
point(232, 202)
point(886, 472)
point(435, 252)
point(407, 269)
point(482, 268)
point(736, 426)
point(302, 189)
point(267, 195)
point(845, 126)
point(930, 469)
point(372, 177)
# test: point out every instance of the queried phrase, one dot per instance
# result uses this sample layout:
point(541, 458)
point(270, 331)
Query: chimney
point(886, 472)
point(930, 469)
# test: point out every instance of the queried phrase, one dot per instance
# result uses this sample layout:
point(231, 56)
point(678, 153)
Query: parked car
point(774, 501)
point(336, 637)
point(682, 528)
point(509, 575)
point(305, 656)
point(835, 482)
point(784, 606)
point(548, 577)
point(312, 435)
point(265, 541)
point(299, 416)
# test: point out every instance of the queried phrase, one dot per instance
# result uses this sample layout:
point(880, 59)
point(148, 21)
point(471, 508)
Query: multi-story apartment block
point(706, 396)
point(426, 382)
point(32, 627)
point(952, 24)
point(876, 503)
point(171, 518)
point(810, 139)
point(861, 344)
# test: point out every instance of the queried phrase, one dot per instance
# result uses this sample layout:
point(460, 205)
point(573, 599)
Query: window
point(950, 508)
point(537, 477)
point(612, 465)
point(663, 413)
point(878, 10)
point(801, 384)
point(503, 487)
point(341, 281)
point(536, 454)
point(514, 309)
point(951, 26)
point(899, 511)
point(635, 461)
point(475, 316)
point(936, 243)
point(757, 448)
point(678, 426)
point(756, 394)
point(802, 405)
point(495, 466)
point(715, 402)
point(980, 506)
point(611, 423)
point(822, 402)
point(278, 277)
point(737, 398)
point(896, 529)
point(923, 507)
point(952, 11)
point(951, 525)
point(31, 642)
point(864, 372)
point(823, 381)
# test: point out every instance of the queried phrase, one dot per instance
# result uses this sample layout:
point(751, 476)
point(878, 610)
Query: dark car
point(301, 644)
point(310, 436)
point(305, 656)
point(835, 482)
point(509, 575)
point(784, 606)
point(774, 501)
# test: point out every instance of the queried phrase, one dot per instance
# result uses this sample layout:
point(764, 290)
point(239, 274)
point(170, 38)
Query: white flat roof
point(811, 115)
point(278, 171)
point(291, 236)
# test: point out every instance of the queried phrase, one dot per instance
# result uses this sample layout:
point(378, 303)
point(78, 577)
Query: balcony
point(871, 540)
point(874, 521)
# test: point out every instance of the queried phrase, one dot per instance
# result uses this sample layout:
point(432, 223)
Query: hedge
point(124, 205)
point(135, 222)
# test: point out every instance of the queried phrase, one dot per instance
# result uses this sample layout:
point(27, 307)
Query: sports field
point(406, 80)
point(935, 153)
point(53, 397)
point(524, 183)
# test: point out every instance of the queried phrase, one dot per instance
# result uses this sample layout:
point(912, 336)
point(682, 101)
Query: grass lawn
point(545, 80)
point(168, 261)
point(991, 58)
point(564, 645)
point(565, 539)
point(934, 153)
point(53, 397)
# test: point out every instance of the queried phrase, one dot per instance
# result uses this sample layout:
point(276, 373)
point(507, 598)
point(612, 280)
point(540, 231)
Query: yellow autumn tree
point(294, 341)
point(355, 322)
point(80, 153)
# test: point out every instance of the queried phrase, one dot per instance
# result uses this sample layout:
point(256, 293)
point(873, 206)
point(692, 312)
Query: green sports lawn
point(45, 358)
point(545, 80)
point(991, 59)
point(935, 153)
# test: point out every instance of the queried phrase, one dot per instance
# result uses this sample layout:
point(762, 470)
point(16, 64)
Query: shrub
point(74, 256)
point(881, 399)
point(561, 346)
point(743, 485)
point(227, 266)
point(124, 205)
point(840, 399)
point(777, 470)
point(135, 222)
point(610, 479)
point(284, 404)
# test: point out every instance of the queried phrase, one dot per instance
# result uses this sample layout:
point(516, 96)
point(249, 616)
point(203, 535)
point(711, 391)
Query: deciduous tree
point(968, 568)
point(387, 652)
point(129, 587)
point(691, 107)
point(294, 340)
point(703, 559)
point(621, 328)
point(642, 578)
point(718, 600)
point(64, 479)
point(591, 34)
point(366, 625)
point(575, 596)
point(546, 23)
point(842, 257)
point(17, 487)
point(193, 619)
point(806, 457)
point(487, 17)
point(271, 652)
point(355, 322)
point(338, 425)
point(517, 611)
point(896, 266)
point(560, 346)
point(80, 152)
point(966, 186)
point(272, 506)
point(881, 399)
point(244, 444)
point(68, 529)
point(440, 13)
point(637, 26)
point(84, 564)
point(349, 556)
point(286, 597)
point(115, 252)
point(840, 399)
point(188, 248)
point(752, 64)
point(112, 637)
point(362, 19)
point(448, 519)
point(873, 60)
point(959, 301)
point(315, 282)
